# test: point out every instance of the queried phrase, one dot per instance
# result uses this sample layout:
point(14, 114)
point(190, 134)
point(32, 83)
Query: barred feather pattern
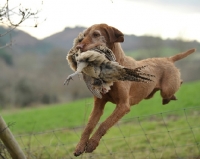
point(106, 51)
point(138, 70)
point(136, 75)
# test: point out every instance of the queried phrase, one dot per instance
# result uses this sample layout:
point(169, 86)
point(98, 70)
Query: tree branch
point(8, 15)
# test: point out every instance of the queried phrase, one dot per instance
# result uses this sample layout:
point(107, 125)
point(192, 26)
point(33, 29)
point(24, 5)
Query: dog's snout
point(80, 46)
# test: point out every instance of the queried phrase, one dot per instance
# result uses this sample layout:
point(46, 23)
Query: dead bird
point(99, 72)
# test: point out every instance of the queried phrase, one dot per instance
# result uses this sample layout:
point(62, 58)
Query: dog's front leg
point(118, 113)
point(95, 115)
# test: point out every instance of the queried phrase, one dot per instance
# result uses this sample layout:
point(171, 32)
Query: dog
point(125, 93)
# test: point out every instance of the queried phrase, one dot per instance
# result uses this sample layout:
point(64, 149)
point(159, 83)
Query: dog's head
point(100, 34)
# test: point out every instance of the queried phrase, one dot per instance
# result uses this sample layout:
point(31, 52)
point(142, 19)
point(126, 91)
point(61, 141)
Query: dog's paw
point(80, 148)
point(91, 145)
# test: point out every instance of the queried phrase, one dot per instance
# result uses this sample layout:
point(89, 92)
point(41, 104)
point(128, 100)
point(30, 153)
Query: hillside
point(64, 39)
point(23, 42)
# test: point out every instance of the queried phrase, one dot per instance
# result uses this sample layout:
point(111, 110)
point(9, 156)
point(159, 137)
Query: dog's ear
point(114, 34)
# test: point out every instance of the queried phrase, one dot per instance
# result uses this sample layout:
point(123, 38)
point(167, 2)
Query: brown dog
point(125, 94)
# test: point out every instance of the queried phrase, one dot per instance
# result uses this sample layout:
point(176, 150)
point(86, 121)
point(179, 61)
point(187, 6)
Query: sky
point(163, 18)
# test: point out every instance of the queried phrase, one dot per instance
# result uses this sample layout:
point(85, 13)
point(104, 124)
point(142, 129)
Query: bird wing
point(88, 81)
point(71, 59)
point(107, 52)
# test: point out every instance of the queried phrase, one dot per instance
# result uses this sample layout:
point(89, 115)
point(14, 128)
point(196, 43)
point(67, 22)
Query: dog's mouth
point(91, 46)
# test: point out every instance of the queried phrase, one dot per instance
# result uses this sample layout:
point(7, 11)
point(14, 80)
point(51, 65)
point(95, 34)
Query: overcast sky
point(164, 18)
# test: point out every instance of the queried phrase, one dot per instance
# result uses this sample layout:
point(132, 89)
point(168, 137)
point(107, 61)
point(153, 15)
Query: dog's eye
point(96, 34)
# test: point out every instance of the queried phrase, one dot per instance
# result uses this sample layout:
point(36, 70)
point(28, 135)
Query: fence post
point(9, 141)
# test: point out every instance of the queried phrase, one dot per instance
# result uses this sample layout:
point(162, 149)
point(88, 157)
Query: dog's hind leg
point(167, 93)
point(170, 83)
point(152, 93)
point(166, 101)
point(168, 90)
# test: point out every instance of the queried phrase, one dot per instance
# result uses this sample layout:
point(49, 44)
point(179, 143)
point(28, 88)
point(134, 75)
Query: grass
point(161, 135)
point(55, 129)
point(146, 53)
point(75, 114)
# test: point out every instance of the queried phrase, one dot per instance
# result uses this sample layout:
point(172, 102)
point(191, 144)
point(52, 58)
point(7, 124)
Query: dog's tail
point(182, 55)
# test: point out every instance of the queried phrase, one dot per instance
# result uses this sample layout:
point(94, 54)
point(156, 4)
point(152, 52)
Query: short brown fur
point(125, 94)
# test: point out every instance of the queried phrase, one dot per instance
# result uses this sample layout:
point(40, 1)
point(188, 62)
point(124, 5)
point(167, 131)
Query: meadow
point(69, 115)
point(150, 130)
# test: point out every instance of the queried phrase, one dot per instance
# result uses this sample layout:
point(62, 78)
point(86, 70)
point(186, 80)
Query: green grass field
point(68, 115)
point(143, 133)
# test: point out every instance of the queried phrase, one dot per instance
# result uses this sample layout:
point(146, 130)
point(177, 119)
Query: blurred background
point(33, 52)
point(47, 118)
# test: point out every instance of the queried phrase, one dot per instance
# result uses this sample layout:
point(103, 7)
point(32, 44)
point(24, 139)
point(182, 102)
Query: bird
point(71, 54)
point(100, 70)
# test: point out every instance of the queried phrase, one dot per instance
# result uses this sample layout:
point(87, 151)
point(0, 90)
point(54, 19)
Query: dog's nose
point(80, 46)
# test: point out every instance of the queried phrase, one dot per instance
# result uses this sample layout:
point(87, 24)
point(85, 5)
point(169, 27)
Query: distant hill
point(64, 40)
point(133, 42)
point(23, 42)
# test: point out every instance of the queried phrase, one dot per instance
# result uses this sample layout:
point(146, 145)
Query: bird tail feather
point(137, 75)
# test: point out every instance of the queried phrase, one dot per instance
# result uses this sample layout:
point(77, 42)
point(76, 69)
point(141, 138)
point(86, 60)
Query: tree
point(14, 17)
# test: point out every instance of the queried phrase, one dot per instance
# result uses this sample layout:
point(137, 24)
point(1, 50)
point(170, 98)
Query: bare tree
point(15, 16)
